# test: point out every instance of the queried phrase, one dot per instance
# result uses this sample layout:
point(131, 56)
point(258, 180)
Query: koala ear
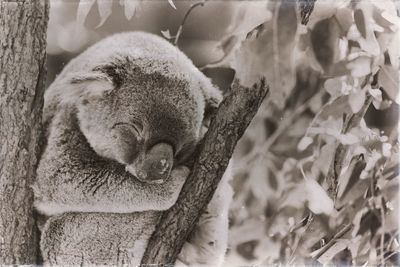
point(115, 72)
point(92, 84)
point(78, 86)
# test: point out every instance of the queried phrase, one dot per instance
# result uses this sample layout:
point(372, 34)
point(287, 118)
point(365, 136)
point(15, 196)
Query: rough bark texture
point(232, 118)
point(23, 27)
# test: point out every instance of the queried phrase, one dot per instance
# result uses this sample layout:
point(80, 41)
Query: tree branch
point(233, 116)
point(180, 29)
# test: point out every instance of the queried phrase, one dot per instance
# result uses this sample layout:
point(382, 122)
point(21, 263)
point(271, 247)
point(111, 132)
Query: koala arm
point(104, 196)
point(72, 178)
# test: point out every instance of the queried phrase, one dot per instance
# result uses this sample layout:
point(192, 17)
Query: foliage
point(316, 178)
point(313, 178)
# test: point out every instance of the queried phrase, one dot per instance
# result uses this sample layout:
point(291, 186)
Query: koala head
point(148, 122)
point(139, 101)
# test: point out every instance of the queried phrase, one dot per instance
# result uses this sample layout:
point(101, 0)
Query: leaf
point(172, 3)
point(318, 200)
point(105, 10)
point(228, 44)
point(337, 69)
point(334, 109)
point(368, 42)
point(247, 15)
point(369, 221)
point(380, 20)
point(356, 100)
point(262, 55)
point(304, 143)
point(333, 86)
point(166, 34)
point(371, 158)
point(388, 78)
point(386, 150)
point(392, 18)
point(391, 193)
point(259, 183)
point(252, 229)
point(345, 18)
point(350, 175)
point(340, 245)
point(360, 67)
point(295, 197)
point(325, 39)
point(348, 139)
point(325, 157)
point(322, 10)
point(377, 97)
point(360, 22)
point(305, 57)
point(130, 7)
point(73, 37)
point(83, 10)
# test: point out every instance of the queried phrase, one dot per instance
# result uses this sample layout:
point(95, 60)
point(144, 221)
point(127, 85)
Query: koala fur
point(121, 120)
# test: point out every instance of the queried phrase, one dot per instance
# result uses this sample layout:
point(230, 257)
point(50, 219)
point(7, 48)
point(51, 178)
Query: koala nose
point(156, 166)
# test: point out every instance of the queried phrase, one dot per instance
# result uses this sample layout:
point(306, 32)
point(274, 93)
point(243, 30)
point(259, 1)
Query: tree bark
point(23, 27)
point(233, 116)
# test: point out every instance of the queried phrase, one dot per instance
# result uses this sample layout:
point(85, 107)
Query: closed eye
point(136, 128)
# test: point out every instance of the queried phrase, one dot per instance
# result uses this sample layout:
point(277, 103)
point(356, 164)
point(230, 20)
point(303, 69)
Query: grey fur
point(109, 106)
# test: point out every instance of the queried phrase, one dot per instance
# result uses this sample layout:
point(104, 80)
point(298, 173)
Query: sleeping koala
point(122, 120)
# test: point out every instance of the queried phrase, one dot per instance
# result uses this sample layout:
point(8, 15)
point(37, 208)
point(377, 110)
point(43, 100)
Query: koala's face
point(149, 124)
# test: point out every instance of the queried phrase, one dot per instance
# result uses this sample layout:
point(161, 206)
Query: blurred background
point(203, 30)
point(270, 214)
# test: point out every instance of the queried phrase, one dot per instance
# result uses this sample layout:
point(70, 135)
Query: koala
point(122, 121)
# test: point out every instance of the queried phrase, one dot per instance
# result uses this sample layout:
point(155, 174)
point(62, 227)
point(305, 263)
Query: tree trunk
point(23, 25)
point(233, 116)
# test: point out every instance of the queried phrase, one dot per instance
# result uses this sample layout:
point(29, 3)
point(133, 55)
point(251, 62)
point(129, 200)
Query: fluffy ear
point(72, 88)
point(114, 71)
point(84, 86)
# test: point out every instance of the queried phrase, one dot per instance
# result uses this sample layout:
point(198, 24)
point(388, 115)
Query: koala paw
point(180, 173)
point(175, 183)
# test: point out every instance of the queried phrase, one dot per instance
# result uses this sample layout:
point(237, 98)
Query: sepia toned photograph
point(222, 133)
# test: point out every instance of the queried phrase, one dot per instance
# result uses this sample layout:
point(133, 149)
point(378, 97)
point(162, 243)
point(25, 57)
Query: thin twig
point(309, 221)
point(180, 29)
point(390, 255)
point(383, 233)
point(300, 224)
point(392, 238)
point(333, 241)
